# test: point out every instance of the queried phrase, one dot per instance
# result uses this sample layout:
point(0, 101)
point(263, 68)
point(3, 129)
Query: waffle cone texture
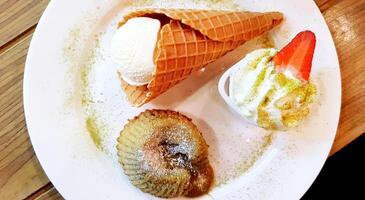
point(190, 39)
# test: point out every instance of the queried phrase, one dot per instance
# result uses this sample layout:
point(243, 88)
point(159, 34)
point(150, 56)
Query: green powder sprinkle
point(94, 131)
point(266, 41)
point(243, 167)
point(90, 60)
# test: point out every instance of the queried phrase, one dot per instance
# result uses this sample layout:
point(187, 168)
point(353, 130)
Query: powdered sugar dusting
point(233, 148)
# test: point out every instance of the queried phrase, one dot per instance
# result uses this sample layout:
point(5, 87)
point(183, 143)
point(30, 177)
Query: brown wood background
point(21, 176)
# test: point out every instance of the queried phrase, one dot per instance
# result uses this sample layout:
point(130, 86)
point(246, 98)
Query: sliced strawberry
point(297, 56)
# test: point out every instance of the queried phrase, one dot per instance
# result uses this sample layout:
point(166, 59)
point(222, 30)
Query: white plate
point(68, 62)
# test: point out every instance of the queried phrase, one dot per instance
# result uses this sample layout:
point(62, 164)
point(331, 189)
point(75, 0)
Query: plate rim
point(26, 91)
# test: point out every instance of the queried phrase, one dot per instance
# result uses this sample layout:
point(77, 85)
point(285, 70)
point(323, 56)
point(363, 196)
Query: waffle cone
point(191, 39)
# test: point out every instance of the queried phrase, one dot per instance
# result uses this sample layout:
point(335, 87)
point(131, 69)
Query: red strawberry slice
point(297, 56)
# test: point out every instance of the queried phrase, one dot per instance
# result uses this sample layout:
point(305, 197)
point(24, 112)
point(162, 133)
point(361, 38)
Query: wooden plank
point(346, 20)
point(16, 16)
point(48, 192)
point(20, 171)
point(51, 194)
point(325, 4)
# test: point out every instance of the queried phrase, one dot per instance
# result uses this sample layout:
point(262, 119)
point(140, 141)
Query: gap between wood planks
point(16, 39)
point(42, 193)
point(325, 4)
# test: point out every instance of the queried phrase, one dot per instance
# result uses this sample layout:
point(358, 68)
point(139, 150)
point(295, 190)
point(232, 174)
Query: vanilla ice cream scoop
point(132, 49)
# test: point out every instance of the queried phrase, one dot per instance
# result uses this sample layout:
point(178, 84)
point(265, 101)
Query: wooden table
point(21, 175)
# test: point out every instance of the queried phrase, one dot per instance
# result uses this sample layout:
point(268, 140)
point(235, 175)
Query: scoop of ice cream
point(271, 99)
point(132, 49)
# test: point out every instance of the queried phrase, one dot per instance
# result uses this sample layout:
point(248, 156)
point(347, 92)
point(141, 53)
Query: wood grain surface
point(346, 20)
point(21, 176)
point(16, 16)
point(20, 171)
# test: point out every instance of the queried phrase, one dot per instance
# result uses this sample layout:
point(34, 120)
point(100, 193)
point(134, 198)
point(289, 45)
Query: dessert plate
point(75, 108)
